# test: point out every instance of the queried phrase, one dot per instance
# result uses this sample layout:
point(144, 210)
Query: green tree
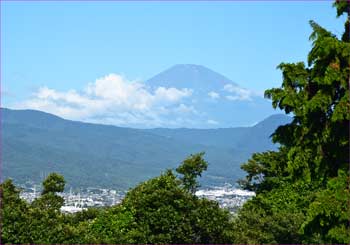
point(13, 213)
point(328, 216)
point(163, 210)
point(314, 152)
point(110, 226)
point(53, 183)
point(46, 222)
point(39, 222)
point(318, 96)
point(191, 168)
point(274, 216)
point(160, 210)
point(265, 170)
point(49, 199)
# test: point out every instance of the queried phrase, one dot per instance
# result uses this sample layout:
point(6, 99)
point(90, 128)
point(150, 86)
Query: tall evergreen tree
point(314, 153)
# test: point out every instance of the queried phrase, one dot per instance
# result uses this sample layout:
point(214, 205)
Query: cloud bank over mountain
point(182, 96)
point(112, 100)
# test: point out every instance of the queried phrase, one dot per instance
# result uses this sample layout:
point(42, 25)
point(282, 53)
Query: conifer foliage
point(314, 153)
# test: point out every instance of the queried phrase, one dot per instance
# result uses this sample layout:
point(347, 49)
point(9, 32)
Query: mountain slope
point(34, 143)
point(245, 139)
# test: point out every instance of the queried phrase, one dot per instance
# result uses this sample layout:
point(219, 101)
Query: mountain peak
point(189, 66)
point(191, 76)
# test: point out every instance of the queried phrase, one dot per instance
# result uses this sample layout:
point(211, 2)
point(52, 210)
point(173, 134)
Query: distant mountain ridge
point(244, 137)
point(107, 156)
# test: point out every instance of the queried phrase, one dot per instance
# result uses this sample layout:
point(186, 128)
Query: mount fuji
point(216, 101)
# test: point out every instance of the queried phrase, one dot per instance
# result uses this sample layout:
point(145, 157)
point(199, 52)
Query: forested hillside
point(91, 155)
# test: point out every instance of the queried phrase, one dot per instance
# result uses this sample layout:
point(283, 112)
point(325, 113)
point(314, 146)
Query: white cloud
point(171, 94)
point(238, 93)
point(182, 108)
point(213, 95)
point(212, 122)
point(112, 100)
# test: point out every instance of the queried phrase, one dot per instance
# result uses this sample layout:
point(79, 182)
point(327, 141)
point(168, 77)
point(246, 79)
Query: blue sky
point(64, 46)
